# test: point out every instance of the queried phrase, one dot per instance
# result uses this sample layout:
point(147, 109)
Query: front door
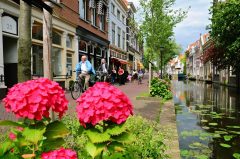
point(10, 60)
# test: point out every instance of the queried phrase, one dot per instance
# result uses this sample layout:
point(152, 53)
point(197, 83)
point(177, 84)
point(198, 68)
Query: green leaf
point(5, 146)
point(94, 149)
point(98, 137)
point(227, 137)
point(22, 142)
point(184, 153)
point(213, 124)
point(116, 147)
point(236, 155)
point(55, 130)
point(124, 138)
point(117, 129)
point(225, 145)
point(34, 133)
point(53, 144)
point(10, 123)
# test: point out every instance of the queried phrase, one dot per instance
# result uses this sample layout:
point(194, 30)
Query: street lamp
point(161, 58)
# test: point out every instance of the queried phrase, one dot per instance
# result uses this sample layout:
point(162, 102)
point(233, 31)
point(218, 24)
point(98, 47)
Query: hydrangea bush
point(35, 133)
point(102, 111)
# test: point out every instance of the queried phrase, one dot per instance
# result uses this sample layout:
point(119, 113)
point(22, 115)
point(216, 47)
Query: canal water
point(208, 120)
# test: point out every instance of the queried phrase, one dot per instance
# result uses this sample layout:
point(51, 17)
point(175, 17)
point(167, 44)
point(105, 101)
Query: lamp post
point(161, 58)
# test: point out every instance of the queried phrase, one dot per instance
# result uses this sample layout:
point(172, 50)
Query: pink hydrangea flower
point(33, 99)
point(60, 154)
point(12, 136)
point(103, 102)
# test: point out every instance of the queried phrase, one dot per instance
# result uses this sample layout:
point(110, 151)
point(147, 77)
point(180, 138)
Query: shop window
point(98, 51)
point(56, 61)
point(83, 46)
point(118, 55)
point(69, 64)
point(37, 55)
point(56, 37)
point(37, 31)
point(69, 41)
point(90, 49)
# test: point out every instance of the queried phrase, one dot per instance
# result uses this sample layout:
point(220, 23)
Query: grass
point(144, 94)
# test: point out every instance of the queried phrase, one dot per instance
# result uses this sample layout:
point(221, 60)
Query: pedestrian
point(121, 76)
point(135, 76)
point(103, 68)
point(113, 75)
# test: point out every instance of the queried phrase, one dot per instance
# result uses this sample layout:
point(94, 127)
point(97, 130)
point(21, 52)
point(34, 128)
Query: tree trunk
point(25, 42)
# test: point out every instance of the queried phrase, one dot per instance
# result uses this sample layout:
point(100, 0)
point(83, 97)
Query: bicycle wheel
point(76, 90)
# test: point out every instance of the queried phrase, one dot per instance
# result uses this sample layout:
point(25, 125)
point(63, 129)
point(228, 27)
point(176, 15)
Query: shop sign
point(9, 25)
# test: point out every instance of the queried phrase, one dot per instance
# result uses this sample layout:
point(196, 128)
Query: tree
point(25, 42)
point(157, 27)
point(225, 33)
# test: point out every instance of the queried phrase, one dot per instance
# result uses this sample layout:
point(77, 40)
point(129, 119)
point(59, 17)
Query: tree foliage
point(157, 28)
point(225, 32)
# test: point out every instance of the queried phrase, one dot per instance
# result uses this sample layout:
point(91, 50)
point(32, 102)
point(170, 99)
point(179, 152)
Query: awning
point(140, 65)
point(121, 61)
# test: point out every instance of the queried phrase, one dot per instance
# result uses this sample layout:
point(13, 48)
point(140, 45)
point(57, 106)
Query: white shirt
point(104, 68)
point(84, 67)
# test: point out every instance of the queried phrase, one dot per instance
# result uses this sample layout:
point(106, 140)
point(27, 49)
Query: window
point(102, 21)
point(82, 9)
point(69, 64)
point(113, 33)
point(37, 66)
point(56, 38)
point(119, 37)
point(123, 40)
point(56, 61)
point(118, 14)
point(37, 31)
point(113, 8)
point(123, 19)
point(232, 72)
point(83, 46)
point(98, 51)
point(69, 41)
point(94, 16)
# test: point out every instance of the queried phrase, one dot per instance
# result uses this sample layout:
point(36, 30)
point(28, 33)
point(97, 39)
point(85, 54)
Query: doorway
point(10, 58)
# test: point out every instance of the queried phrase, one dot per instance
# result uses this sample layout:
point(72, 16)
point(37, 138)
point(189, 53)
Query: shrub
point(148, 145)
point(35, 133)
point(160, 88)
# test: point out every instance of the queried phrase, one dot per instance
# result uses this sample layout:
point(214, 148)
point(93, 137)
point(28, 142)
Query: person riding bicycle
point(103, 68)
point(84, 70)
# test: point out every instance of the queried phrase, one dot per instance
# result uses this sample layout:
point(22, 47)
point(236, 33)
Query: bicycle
point(78, 88)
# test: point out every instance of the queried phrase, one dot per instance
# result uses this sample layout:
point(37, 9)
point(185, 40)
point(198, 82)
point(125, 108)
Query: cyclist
point(84, 70)
point(104, 69)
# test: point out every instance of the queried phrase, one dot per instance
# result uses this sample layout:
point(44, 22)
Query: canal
point(208, 120)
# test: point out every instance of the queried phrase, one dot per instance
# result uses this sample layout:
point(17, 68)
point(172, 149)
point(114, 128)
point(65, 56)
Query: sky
point(189, 30)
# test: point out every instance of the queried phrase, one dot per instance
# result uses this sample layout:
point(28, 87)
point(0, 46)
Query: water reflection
point(208, 120)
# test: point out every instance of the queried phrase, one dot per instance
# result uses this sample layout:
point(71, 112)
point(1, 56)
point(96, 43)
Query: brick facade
point(69, 11)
